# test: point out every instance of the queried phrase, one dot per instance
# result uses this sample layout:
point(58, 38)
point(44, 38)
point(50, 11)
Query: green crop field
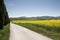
point(4, 34)
point(49, 28)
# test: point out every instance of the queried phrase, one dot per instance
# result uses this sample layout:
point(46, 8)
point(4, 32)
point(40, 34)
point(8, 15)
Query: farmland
point(50, 28)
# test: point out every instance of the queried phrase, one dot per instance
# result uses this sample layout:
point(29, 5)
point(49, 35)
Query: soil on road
point(20, 33)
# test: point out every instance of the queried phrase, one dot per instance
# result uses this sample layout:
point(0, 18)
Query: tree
point(4, 19)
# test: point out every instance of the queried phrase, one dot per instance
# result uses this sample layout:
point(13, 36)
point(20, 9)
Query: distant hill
point(36, 18)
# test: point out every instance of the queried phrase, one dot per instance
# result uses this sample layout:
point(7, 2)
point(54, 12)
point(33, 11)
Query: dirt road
point(21, 33)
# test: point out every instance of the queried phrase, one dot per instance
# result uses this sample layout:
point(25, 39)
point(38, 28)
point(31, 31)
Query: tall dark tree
point(4, 19)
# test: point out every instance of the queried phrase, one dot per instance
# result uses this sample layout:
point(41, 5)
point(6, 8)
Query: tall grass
point(4, 34)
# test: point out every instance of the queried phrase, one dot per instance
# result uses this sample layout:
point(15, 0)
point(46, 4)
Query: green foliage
point(4, 34)
point(4, 20)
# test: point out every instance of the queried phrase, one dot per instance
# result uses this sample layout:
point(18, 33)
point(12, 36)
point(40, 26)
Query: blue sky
point(17, 8)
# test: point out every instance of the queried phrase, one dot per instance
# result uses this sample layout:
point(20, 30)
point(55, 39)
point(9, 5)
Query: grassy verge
point(4, 34)
point(41, 30)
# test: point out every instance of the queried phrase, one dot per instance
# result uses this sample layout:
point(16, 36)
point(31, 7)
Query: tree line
point(36, 18)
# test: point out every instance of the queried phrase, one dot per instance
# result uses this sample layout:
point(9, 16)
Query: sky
point(18, 8)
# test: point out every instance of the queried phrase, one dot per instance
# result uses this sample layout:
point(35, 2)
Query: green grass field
point(49, 28)
point(4, 34)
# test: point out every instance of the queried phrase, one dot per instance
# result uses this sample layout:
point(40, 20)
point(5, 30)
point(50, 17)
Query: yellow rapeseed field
point(49, 23)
